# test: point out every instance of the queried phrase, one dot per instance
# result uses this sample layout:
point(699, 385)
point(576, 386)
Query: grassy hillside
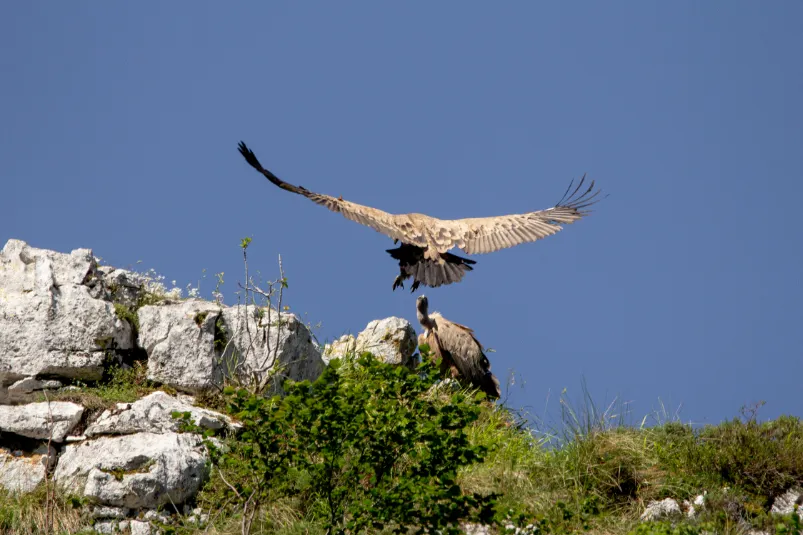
point(375, 448)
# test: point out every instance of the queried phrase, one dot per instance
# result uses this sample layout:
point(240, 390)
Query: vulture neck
point(426, 321)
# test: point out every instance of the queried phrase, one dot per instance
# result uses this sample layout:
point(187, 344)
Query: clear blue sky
point(120, 123)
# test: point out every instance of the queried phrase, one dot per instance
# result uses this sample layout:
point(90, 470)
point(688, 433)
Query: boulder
point(391, 339)
point(109, 527)
point(21, 472)
point(660, 509)
point(32, 384)
point(144, 470)
point(786, 503)
point(39, 420)
point(139, 527)
point(265, 347)
point(120, 285)
point(343, 346)
point(695, 506)
point(180, 340)
point(477, 529)
point(104, 511)
point(50, 324)
point(152, 414)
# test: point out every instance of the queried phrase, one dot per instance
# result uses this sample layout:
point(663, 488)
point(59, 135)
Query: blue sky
point(121, 122)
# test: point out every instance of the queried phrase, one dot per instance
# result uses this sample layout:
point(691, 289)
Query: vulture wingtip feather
point(584, 199)
point(249, 156)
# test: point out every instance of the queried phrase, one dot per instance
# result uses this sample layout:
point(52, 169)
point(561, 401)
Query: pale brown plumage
point(460, 352)
point(428, 239)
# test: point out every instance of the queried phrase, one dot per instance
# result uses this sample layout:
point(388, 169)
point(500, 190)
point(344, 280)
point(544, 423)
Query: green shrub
point(367, 446)
point(764, 459)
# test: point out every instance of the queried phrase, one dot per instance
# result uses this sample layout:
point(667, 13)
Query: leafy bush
point(764, 459)
point(367, 446)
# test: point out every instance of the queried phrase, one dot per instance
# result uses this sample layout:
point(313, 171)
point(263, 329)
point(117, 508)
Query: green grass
point(120, 385)
point(589, 473)
point(599, 475)
point(28, 514)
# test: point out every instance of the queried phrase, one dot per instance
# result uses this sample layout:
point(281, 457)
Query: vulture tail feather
point(432, 273)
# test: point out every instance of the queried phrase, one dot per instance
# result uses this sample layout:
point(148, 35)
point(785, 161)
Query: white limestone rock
point(660, 509)
point(109, 527)
point(50, 324)
point(786, 503)
point(157, 516)
point(120, 285)
point(195, 515)
point(153, 414)
point(266, 347)
point(695, 506)
point(39, 420)
point(144, 470)
point(32, 384)
point(343, 346)
point(21, 472)
point(104, 511)
point(138, 527)
point(477, 529)
point(180, 341)
point(391, 339)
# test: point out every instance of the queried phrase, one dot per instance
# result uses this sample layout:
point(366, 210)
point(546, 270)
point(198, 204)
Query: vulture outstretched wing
point(472, 235)
point(488, 234)
point(394, 226)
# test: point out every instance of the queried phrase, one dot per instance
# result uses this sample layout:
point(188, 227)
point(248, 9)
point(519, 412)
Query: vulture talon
point(398, 282)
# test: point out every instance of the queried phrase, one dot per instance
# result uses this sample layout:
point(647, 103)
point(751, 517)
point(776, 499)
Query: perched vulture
point(425, 240)
point(459, 351)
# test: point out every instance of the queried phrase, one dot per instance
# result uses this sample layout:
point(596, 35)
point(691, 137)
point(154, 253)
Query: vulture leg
point(398, 282)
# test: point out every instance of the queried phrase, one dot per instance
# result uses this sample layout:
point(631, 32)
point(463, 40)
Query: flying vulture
point(459, 350)
point(425, 240)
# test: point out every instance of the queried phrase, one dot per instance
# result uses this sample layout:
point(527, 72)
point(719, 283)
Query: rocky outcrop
point(153, 414)
point(265, 347)
point(50, 323)
point(46, 421)
point(194, 345)
point(669, 508)
point(144, 470)
point(180, 342)
point(22, 472)
point(64, 320)
point(30, 385)
point(391, 339)
point(788, 501)
point(343, 346)
point(656, 510)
